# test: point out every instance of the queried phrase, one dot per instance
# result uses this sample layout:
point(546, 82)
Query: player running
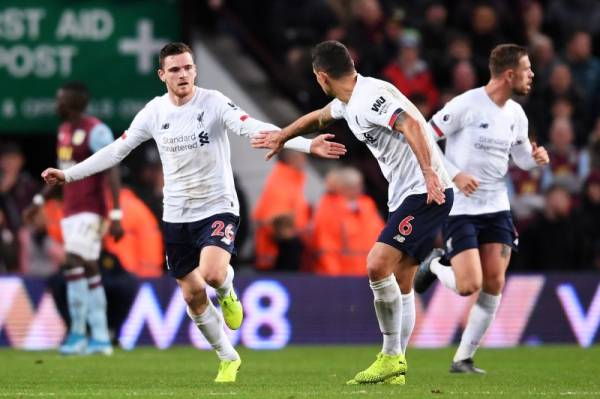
point(201, 210)
point(482, 128)
point(79, 136)
point(419, 197)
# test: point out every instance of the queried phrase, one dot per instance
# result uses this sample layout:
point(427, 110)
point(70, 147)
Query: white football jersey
point(370, 113)
point(194, 149)
point(480, 137)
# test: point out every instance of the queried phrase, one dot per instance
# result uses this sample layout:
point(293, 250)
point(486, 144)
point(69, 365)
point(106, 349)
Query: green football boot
point(228, 370)
point(232, 310)
point(383, 368)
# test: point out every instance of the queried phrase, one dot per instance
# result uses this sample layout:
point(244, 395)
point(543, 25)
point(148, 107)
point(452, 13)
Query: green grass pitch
point(298, 372)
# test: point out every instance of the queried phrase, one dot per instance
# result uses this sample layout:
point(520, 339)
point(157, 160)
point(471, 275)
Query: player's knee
point(376, 266)
point(469, 287)
point(214, 277)
point(494, 284)
point(194, 296)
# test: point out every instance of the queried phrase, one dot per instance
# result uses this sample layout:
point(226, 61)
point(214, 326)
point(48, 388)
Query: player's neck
point(74, 119)
point(345, 86)
point(179, 101)
point(498, 92)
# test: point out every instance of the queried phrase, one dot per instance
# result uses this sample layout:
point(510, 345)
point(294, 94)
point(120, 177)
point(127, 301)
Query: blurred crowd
point(432, 51)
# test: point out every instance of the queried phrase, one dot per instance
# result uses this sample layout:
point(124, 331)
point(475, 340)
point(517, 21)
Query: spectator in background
point(290, 247)
point(533, 18)
point(140, 250)
point(434, 31)
point(543, 58)
point(562, 108)
point(555, 240)
point(485, 33)
point(590, 216)
point(524, 191)
point(9, 249)
point(590, 155)
point(366, 35)
point(463, 78)
point(565, 166)
point(409, 73)
point(559, 85)
point(283, 194)
point(346, 225)
point(585, 69)
point(17, 187)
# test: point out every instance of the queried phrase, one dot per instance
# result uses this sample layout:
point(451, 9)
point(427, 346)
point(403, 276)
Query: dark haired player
point(483, 128)
point(419, 194)
point(79, 136)
point(201, 210)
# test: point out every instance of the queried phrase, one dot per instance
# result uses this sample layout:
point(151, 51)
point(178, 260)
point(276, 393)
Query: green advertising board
point(111, 46)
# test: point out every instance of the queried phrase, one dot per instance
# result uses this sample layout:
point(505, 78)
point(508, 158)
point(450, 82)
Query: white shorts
point(82, 234)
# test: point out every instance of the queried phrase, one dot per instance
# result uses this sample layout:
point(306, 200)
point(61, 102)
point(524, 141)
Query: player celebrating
point(419, 197)
point(483, 127)
point(201, 208)
point(79, 136)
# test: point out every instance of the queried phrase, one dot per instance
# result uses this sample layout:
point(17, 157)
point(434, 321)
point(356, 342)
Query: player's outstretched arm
point(414, 131)
point(308, 123)
point(320, 146)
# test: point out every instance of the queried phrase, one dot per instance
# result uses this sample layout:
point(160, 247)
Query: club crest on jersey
point(484, 125)
point(78, 137)
point(378, 103)
point(446, 118)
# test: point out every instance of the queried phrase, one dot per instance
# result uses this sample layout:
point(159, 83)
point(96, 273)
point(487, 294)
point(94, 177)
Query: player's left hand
point(435, 189)
point(53, 177)
point(320, 146)
point(116, 230)
point(540, 155)
point(270, 140)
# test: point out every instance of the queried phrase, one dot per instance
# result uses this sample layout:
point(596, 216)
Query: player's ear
point(161, 74)
point(509, 74)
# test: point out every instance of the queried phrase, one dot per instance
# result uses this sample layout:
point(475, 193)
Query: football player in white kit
point(201, 210)
point(483, 127)
point(419, 196)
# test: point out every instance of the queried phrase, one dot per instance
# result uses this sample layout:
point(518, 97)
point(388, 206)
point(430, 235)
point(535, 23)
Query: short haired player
point(483, 128)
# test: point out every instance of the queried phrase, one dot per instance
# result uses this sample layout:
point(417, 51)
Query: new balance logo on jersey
point(165, 126)
point(378, 103)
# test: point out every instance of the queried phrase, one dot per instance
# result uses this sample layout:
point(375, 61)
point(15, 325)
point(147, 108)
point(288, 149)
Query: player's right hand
point(54, 177)
point(466, 183)
point(271, 140)
point(435, 189)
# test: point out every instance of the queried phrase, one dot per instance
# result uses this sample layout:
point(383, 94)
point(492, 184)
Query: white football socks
point(224, 289)
point(480, 318)
point(210, 325)
point(96, 314)
point(388, 307)
point(77, 298)
point(408, 319)
point(444, 273)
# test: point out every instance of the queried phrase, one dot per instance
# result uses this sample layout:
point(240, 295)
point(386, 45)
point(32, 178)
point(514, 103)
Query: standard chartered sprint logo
point(265, 326)
point(181, 143)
